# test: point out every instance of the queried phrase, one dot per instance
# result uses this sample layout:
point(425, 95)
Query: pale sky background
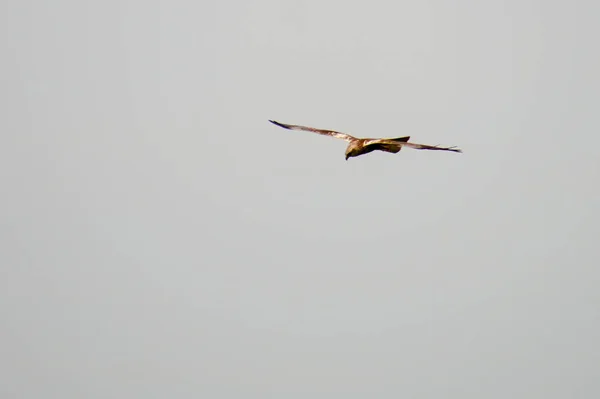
point(160, 239)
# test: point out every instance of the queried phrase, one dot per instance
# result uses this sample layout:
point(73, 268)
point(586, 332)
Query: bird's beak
point(347, 157)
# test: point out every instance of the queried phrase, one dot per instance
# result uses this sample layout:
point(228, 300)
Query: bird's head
point(349, 153)
point(353, 149)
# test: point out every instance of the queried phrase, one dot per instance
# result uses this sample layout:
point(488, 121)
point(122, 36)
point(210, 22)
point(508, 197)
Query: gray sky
point(159, 238)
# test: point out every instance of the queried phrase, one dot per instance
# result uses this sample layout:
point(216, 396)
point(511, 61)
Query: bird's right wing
point(413, 145)
point(332, 133)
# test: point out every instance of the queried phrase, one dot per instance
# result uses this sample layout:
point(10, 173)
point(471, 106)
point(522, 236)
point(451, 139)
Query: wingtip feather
point(278, 124)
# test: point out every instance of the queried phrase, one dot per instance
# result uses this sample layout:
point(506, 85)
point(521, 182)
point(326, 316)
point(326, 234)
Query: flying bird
point(359, 146)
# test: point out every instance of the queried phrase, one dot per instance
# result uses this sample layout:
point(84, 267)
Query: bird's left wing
point(332, 133)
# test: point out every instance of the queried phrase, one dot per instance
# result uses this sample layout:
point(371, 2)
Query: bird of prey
point(359, 146)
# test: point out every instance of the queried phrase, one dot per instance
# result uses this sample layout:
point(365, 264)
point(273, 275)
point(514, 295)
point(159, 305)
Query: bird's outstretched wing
point(332, 133)
point(412, 145)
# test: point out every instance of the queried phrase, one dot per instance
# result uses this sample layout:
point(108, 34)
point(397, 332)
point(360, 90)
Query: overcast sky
point(160, 239)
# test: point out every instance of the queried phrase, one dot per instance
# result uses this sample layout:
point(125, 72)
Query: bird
point(360, 146)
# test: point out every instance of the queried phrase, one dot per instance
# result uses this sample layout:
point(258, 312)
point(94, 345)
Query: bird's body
point(360, 146)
